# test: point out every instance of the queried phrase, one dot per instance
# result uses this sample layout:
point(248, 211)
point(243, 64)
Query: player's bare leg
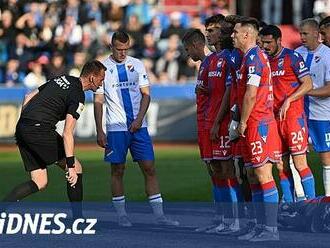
point(325, 159)
point(152, 190)
point(38, 182)
point(150, 178)
point(40, 178)
point(117, 174)
point(118, 197)
point(307, 178)
point(75, 194)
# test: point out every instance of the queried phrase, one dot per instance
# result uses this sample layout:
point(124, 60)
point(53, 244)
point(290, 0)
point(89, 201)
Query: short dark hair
point(233, 19)
point(217, 19)
point(262, 24)
point(310, 22)
point(120, 36)
point(250, 21)
point(193, 35)
point(325, 21)
point(92, 67)
point(271, 30)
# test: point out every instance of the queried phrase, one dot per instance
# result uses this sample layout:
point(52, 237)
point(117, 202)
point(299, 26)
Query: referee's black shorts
point(39, 144)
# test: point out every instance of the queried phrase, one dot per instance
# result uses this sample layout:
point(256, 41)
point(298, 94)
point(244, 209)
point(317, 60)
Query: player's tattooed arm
point(304, 88)
point(322, 91)
point(28, 98)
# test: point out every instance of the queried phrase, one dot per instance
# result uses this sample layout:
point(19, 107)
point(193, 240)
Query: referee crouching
point(61, 98)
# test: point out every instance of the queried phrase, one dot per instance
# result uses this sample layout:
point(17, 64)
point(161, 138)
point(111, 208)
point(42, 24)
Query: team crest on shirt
point(220, 61)
point(280, 62)
point(317, 59)
point(130, 67)
point(80, 108)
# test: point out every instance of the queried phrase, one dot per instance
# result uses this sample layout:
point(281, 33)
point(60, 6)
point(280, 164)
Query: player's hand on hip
point(284, 109)
point(241, 129)
point(136, 125)
point(214, 132)
point(200, 89)
point(101, 139)
point(71, 176)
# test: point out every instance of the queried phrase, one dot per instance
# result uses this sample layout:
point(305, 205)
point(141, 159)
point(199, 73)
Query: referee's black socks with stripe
point(75, 195)
point(21, 191)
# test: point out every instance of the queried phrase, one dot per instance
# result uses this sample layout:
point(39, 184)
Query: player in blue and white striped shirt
point(127, 96)
point(317, 103)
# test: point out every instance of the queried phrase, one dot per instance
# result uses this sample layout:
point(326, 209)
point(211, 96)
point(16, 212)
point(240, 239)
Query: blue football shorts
point(319, 132)
point(139, 143)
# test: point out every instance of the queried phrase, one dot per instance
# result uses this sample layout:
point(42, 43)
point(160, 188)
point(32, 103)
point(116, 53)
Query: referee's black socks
point(21, 191)
point(75, 195)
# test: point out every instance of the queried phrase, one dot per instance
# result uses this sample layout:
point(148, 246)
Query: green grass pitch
point(181, 174)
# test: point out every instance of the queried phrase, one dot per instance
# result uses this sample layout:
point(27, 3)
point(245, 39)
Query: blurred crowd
point(40, 39)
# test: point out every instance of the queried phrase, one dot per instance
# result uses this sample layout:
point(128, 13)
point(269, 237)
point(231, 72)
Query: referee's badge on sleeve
point(80, 108)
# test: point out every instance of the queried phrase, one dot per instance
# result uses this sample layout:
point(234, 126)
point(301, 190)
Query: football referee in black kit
point(61, 98)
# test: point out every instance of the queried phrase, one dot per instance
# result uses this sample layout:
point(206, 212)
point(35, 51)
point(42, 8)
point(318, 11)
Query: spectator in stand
point(149, 49)
point(95, 30)
point(167, 66)
point(56, 67)
point(150, 69)
point(53, 11)
point(36, 77)
point(325, 31)
point(68, 37)
point(134, 29)
point(46, 31)
point(20, 51)
point(175, 26)
point(187, 71)
point(272, 11)
point(141, 9)
point(112, 11)
point(7, 36)
point(79, 59)
point(94, 10)
point(7, 27)
point(75, 9)
point(155, 28)
point(37, 9)
point(196, 22)
point(14, 6)
point(28, 25)
point(12, 76)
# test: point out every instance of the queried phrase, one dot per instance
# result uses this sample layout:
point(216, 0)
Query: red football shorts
point(294, 135)
point(222, 149)
point(262, 144)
